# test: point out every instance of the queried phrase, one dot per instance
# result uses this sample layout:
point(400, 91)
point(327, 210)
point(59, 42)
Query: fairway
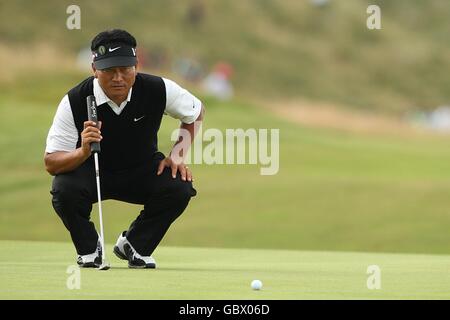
point(37, 270)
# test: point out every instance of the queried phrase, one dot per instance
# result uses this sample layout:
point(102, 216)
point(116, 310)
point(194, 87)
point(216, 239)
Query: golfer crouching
point(130, 107)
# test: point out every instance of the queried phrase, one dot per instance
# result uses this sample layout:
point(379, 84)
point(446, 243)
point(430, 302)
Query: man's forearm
point(61, 161)
point(186, 137)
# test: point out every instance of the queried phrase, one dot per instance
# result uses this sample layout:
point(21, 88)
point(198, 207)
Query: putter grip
point(92, 116)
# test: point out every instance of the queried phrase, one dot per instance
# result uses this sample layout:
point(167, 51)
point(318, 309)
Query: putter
point(95, 148)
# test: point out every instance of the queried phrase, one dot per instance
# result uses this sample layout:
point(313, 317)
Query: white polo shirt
point(63, 134)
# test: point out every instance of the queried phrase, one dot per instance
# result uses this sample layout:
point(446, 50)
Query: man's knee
point(70, 199)
point(66, 190)
point(175, 187)
point(181, 190)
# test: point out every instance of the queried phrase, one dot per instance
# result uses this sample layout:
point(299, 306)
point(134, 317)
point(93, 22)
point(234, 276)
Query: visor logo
point(101, 50)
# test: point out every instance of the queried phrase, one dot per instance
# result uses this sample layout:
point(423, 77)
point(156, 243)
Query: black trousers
point(164, 199)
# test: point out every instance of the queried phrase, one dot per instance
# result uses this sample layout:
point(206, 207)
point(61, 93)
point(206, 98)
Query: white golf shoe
point(125, 251)
point(93, 260)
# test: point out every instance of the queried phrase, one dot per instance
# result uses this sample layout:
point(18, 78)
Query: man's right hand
point(91, 133)
point(64, 161)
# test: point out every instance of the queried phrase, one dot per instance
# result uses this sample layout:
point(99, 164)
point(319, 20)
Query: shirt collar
point(101, 97)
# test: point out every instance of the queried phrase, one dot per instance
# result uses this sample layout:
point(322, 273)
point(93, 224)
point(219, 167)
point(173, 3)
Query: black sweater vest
point(129, 139)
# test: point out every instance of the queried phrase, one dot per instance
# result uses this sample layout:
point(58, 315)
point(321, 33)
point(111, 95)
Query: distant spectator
point(187, 68)
point(157, 58)
point(84, 59)
point(218, 84)
point(319, 3)
point(142, 56)
point(439, 119)
point(196, 13)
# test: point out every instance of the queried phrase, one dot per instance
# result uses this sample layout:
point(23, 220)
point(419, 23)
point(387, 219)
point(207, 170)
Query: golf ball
point(256, 285)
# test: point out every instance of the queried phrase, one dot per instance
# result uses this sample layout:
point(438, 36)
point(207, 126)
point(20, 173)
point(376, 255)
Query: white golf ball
point(256, 285)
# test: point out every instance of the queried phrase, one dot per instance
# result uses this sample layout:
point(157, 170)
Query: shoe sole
point(147, 266)
point(88, 265)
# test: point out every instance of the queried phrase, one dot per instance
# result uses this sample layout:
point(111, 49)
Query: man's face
point(116, 81)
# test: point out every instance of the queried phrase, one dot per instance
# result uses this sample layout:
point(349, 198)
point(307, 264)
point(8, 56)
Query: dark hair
point(116, 36)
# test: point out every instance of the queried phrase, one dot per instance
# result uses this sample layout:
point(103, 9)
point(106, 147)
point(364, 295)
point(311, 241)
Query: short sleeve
point(63, 134)
point(180, 103)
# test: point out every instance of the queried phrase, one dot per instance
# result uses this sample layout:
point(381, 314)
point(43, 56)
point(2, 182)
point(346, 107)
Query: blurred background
point(363, 114)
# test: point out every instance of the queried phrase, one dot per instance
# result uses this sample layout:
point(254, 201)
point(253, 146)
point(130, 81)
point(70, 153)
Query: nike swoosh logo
point(113, 49)
point(137, 119)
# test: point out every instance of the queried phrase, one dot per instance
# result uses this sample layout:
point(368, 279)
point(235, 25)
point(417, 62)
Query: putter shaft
point(102, 241)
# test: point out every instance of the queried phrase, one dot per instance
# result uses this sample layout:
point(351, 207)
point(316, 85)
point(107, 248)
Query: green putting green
point(39, 270)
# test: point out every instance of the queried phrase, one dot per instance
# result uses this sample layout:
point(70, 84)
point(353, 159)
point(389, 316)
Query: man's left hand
point(168, 162)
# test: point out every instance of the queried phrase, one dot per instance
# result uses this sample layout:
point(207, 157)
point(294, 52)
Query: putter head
point(104, 266)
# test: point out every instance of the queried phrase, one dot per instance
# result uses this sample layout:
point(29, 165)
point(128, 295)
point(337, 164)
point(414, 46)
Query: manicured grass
point(38, 270)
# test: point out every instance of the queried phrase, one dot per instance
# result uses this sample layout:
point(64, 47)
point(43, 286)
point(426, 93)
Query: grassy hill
point(334, 191)
point(38, 270)
point(279, 49)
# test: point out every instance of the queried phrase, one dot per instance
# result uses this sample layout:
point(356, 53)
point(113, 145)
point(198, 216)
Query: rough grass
point(278, 49)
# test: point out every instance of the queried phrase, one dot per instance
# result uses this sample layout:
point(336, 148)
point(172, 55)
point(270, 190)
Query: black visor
point(114, 55)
